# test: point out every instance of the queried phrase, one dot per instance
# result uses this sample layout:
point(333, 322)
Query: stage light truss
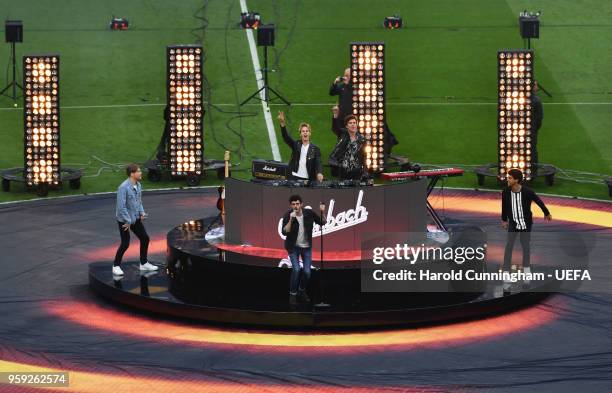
point(41, 119)
point(186, 138)
point(368, 82)
point(514, 115)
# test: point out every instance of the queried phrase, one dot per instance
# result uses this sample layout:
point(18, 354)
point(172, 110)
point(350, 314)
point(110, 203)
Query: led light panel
point(514, 116)
point(41, 119)
point(368, 81)
point(186, 139)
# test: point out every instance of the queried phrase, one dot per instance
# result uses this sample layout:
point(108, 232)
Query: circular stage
point(239, 272)
point(229, 284)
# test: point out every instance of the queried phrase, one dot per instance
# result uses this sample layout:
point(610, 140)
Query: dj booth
point(254, 211)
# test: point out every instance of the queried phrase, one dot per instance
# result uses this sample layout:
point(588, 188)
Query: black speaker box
point(265, 35)
point(529, 26)
point(13, 31)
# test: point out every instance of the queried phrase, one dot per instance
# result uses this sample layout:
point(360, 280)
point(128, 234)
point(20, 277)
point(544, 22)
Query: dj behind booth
point(305, 162)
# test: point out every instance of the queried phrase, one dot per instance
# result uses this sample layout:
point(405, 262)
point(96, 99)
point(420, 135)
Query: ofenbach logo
point(342, 220)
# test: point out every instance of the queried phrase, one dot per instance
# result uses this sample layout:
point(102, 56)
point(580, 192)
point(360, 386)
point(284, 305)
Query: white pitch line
point(259, 78)
point(330, 104)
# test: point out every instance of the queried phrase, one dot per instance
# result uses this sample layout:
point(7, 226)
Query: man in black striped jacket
point(517, 218)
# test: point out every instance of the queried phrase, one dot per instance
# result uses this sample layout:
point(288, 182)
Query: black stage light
point(265, 35)
point(184, 95)
point(250, 20)
point(368, 81)
point(41, 119)
point(529, 24)
point(13, 31)
point(118, 24)
point(514, 116)
point(393, 22)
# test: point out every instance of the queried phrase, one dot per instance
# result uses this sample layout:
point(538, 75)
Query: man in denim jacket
point(130, 215)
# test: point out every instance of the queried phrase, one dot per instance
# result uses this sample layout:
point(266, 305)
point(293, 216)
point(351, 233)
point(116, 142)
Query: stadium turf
point(441, 80)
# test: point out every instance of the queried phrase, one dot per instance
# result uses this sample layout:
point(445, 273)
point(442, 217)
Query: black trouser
point(140, 232)
point(525, 238)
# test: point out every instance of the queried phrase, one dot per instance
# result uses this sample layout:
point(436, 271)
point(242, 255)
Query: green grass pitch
point(441, 79)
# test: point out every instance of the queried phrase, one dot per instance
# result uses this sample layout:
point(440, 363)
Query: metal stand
point(70, 175)
point(265, 88)
point(437, 220)
point(539, 84)
point(321, 303)
point(13, 83)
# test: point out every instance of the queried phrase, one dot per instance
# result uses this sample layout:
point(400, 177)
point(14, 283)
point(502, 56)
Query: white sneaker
point(148, 267)
point(117, 271)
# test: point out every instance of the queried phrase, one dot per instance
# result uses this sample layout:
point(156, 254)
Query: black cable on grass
point(279, 52)
point(8, 66)
point(199, 33)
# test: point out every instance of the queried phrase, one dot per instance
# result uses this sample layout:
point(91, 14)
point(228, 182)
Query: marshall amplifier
point(268, 169)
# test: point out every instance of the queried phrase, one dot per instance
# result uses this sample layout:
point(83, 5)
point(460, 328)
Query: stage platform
point(153, 292)
point(223, 284)
point(239, 273)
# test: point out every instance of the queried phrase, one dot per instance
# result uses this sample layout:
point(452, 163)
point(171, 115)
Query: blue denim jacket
point(129, 202)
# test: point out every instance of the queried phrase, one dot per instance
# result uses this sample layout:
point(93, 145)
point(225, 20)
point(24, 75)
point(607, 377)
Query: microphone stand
point(321, 303)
